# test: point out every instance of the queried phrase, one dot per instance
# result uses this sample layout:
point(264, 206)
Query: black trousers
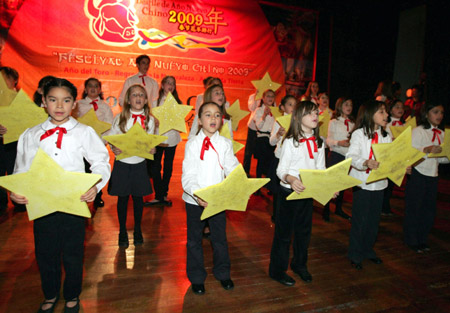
point(161, 183)
point(294, 216)
point(265, 155)
point(420, 208)
point(60, 236)
point(250, 146)
point(7, 159)
point(195, 267)
point(274, 185)
point(366, 213)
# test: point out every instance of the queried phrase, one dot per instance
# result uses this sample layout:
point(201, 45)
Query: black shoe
point(138, 239)
point(326, 216)
point(74, 309)
point(98, 203)
point(166, 202)
point(416, 249)
point(284, 279)
point(356, 265)
point(227, 284)
point(198, 289)
point(123, 240)
point(424, 247)
point(153, 202)
point(376, 260)
point(50, 309)
point(343, 215)
point(304, 275)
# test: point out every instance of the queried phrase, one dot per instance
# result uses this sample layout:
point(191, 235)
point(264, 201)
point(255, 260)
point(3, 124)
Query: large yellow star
point(275, 112)
point(21, 114)
point(135, 142)
point(171, 115)
point(324, 121)
point(394, 158)
point(445, 147)
point(49, 188)
point(6, 95)
point(225, 132)
point(284, 121)
point(232, 193)
point(91, 119)
point(321, 185)
point(264, 84)
point(397, 130)
point(236, 114)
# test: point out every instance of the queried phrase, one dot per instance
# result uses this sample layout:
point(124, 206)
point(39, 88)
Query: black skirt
point(129, 179)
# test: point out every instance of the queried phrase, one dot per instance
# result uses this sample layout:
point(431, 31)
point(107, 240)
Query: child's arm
point(230, 160)
point(3, 130)
point(89, 196)
point(18, 198)
point(276, 134)
point(189, 175)
point(359, 162)
point(295, 182)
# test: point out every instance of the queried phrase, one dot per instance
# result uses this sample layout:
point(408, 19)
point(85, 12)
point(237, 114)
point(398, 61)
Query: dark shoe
point(326, 216)
point(304, 275)
point(343, 215)
point(138, 239)
point(123, 240)
point(153, 202)
point(198, 289)
point(166, 202)
point(284, 279)
point(416, 249)
point(376, 260)
point(356, 265)
point(50, 309)
point(227, 284)
point(74, 309)
point(424, 247)
point(98, 203)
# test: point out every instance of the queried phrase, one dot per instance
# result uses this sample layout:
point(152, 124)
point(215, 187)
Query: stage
point(152, 278)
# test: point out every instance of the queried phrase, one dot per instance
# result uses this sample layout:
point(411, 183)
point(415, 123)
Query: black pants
point(274, 185)
point(122, 208)
point(420, 208)
point(56, 236)
point(265, 155)
point(161, 183)
point(250, 146)
point(195, 267)
point(366, 212)
point(7, 159)
point(294, 216)
point(87, 169)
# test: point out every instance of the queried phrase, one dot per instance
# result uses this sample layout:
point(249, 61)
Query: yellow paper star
point(91, 119)
point(21, 114)
point(321, 185)
point(135, 142)
point(225, 132)
point(284, 121)
point(397, 130)
point(6, 95)
point(394, 158)
point(324, 121)
point(232, 193)
point(275, 112)
point(171, 115)
point(445, 147)
point(49, 188)
point(236, 114)
point(264, 84)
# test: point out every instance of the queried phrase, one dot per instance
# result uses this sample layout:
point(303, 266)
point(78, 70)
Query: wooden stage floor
point(152, 278)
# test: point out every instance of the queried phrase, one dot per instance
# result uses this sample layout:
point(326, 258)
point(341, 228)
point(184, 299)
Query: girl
point(301, 148)
point(168, 147)
point(208, 82)
point(208, 159)
point(367, 198)
point(129, 175)
point(422, 187)
point(311, 93)
point(287, 105)
point(37, 97)
point(92, 98)
point(339, 129)
point(59, 235)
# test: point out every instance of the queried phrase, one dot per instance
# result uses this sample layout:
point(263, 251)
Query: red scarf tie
point(374, 140)
point(436, 133)
point(205, 147)
point(143, 79)
point(94, 104)
point(395, 123)
point(142, 117)
point(346, 122)
point(50, 132)
point(313, 139)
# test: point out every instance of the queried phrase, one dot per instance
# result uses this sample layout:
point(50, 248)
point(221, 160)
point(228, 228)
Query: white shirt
point(199, 173)
point(263, 125)
point(337, 131)
point(359, 151)
point(151, 86)
point(80, 141)
point(104, 112)
point(422, 138)
point(173, 136)
point(195, 126)
point(274, 140)
point(295, 156)
point(388, 126)
point(115, 130)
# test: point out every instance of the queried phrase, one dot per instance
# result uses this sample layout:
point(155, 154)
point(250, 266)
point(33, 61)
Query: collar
point(69, 125)
point(201, 135)
point(137, 112)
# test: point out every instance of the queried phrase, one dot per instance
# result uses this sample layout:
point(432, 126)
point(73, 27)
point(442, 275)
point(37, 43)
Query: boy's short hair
point(142, 57)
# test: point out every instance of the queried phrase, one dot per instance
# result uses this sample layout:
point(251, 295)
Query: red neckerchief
point(141, 116)
point(374, 140)
point(435, 135)
point(205, 147)
point(143, 78)
point(395, 123)
point(50, 132)
point(313, 139)
point(346, 122)
point(94, 104)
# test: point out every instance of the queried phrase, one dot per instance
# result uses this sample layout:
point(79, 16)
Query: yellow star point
point(21, 114)
point(445, 147)
point(6, 95)
point(171, 115)
point(49, 188)
point(284, 121)
point(225, 132)
point(321, 185)
point(91, 119)
point(324, 121)
point(264, 84)
point(232, 193)
point(394, 158)
point(275, 112)
point(135, 142)
point(236, 114)
point(397, 130)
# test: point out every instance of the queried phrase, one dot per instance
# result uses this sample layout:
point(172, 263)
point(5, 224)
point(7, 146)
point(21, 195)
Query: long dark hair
point(427, 107)
point(338, 108)
point(86, 82)
point(364, 119)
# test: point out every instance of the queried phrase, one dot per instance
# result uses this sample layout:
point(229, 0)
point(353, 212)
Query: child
point(301, 148)
point(339, 129)
point(141, 78)
point(323, 103)
point(92, 98)
point(422, 187)
point(311, 93)
point(287, 105)
point(367, 198)
point(208, 159)
point(60, 235)
point(129, 175)
point(208, 82)
point(37, 97)
point(168, 148)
